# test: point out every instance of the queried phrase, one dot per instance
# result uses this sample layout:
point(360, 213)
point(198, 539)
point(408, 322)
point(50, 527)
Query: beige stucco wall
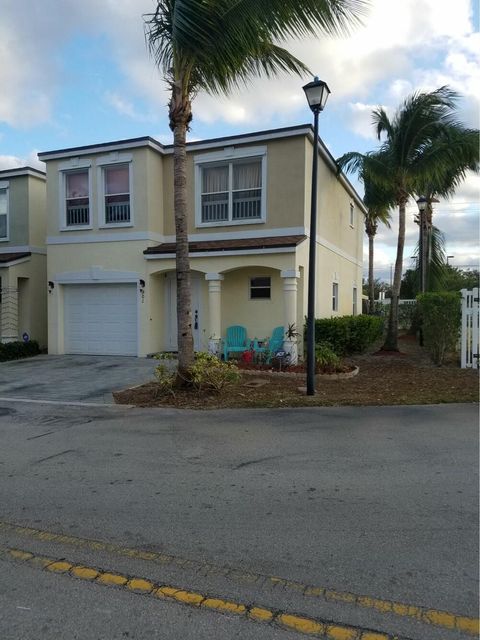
point(285, 191)
point(17, 212)
point(37, 202)
point(146, 200)
point(339, 245)
point(29, 277)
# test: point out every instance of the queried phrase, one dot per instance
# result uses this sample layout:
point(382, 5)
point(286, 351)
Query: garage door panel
point(101, 319)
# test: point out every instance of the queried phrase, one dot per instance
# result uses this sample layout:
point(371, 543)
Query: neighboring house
point(23, 259)
point(111, 240)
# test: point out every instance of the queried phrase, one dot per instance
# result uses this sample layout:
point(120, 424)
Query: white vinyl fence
point(470, 329)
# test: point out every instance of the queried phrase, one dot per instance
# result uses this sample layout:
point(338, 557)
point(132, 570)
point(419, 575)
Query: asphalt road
point(378, 503)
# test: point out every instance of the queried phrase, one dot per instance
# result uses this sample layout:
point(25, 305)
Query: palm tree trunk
point(180, 115)
point(391, 341)
point(371, 281)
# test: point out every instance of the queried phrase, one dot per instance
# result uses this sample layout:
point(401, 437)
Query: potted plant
point(290, 344)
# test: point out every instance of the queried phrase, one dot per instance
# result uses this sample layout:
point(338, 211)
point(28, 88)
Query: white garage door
point(101, 319)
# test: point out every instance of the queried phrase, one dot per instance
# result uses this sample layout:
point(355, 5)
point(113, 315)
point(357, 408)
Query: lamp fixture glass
point(317, 93)
point(422, 203)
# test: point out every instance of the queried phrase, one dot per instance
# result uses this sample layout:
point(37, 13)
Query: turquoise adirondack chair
point(236, 341)
point(275, 343)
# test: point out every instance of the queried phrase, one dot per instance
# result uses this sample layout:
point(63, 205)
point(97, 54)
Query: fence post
point(469, 354)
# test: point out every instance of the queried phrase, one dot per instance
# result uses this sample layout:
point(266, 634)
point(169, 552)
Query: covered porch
point(258, 290)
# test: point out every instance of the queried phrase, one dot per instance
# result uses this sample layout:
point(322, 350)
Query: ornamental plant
point(440, 314)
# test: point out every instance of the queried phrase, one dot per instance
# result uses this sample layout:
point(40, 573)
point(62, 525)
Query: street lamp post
point(422, 203)
point(317, 93)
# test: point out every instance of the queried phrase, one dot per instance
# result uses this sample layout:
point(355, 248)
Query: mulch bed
point(384, 379)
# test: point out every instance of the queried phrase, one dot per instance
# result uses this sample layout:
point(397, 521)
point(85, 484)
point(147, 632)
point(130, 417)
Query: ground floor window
point(260, 288)
point(335, 296)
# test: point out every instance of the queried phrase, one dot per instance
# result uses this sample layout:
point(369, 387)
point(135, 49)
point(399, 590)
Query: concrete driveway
point(72, 378)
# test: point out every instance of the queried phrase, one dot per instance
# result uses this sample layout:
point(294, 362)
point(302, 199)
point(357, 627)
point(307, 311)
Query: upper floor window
point(77, 198)
point(116, 189)
point(4, 213)
point(230, 187)
point(352, 215)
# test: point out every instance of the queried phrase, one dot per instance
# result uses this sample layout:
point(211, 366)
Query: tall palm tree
point(378, 202)
point(214, 45)
point(422, 144)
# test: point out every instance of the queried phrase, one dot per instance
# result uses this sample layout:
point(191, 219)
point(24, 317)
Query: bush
point(325, 358)
point(348, 334)
point(17, 350)
point(166, 379)
point(208, 373)
point(441, 314)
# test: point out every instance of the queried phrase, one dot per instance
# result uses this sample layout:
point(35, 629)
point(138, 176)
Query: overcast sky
point(77, 73)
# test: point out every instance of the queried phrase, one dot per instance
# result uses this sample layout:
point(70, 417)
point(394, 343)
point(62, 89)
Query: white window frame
point(228, 156)
point(354, 300)
point(73, 166)
point(250, 286)
point(103, 163)
point(334, 296)
point(352, 215)
point(5, 186)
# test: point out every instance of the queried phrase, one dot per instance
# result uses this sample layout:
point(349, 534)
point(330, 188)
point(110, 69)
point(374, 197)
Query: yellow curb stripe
point(307, 626)
point(334, 632)
point(114, 579)
point(84, 573)
point(189, 597)
point(224, 605)
point(304, 625)
point(437, 618)
point(59, 566)
point(140, 585)
point(20, 555)
point(258, 613)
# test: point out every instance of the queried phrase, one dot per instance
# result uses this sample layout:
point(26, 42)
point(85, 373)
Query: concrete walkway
point(73, 378)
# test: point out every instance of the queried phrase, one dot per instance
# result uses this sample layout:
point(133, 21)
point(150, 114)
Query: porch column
point(290, 278)
point(9, 319)
point(215, 311)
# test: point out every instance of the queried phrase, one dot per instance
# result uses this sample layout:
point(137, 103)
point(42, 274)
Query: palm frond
point(217, 44)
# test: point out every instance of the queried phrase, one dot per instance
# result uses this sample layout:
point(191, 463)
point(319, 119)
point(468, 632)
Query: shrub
point(211, 374)
point(166, 379)
point(325, 358)
point(349, 334)
point(441, 314)
point(17, 350)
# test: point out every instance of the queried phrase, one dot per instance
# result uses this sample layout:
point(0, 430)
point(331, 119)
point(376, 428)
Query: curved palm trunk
point(180, 115)
point(371, 280)
point(391, 341)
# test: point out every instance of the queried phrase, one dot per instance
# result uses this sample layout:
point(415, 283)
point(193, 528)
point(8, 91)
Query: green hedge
point(349, 334)
point(16, 350)
point(440, 316)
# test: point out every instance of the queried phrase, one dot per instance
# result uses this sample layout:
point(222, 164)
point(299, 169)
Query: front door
point(171, 305)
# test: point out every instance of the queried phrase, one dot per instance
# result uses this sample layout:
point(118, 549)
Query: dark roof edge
point(251, 134)
point(19, 171)
point(149, 140)
point(101, 145)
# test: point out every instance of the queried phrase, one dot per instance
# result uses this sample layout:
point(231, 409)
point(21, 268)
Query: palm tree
point(378, 203)
point(423, 144)
point(213, 46)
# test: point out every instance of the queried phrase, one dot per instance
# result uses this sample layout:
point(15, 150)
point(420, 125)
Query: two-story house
point(111, 240)
point(23, 259)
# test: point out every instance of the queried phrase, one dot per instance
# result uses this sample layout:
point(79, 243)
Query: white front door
point(100, 319)
point(171, 306)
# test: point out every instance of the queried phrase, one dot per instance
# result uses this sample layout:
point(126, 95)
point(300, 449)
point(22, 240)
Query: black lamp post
point(317, 93)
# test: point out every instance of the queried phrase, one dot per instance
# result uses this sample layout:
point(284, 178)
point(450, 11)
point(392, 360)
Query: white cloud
point(14, 162)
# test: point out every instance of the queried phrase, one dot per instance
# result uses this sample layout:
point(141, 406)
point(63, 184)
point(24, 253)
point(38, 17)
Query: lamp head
point(317, 93)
